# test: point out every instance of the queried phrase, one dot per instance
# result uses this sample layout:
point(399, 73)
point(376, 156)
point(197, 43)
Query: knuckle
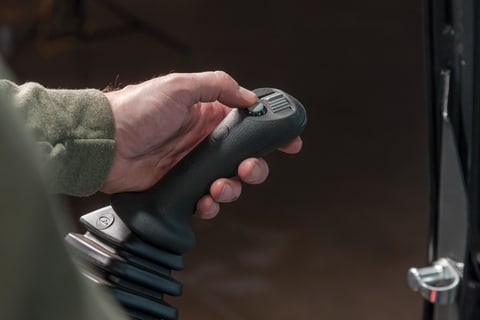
point(223, 77)
point(171, 78)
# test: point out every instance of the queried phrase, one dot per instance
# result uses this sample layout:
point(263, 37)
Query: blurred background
point(334, 230)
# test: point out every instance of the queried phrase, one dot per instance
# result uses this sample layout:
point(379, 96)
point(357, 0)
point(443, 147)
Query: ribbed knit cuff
point(74, 130)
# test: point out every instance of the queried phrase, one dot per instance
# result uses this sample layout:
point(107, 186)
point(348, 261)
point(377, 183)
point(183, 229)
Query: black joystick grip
point(160, 215)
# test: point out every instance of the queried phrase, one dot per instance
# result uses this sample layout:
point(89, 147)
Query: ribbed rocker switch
point(133, 244)
point(278, 102)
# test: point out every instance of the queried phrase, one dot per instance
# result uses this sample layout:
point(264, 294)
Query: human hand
point(159, 121)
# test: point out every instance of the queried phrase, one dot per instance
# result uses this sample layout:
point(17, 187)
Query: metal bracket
point(438, 283)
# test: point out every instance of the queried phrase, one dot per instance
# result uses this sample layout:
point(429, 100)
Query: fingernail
point(212, 211)
point(227, 193)
point(255, 175)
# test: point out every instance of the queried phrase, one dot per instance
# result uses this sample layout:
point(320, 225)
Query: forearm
point(74, 132)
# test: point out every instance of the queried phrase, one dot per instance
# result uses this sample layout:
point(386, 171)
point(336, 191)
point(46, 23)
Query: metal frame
point(452, 43)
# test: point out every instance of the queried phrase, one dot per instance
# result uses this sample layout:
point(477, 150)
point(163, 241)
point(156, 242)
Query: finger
point(215, 86)
point(253, 170)
point(293, 146)
point(207, 208)
point(226, 190)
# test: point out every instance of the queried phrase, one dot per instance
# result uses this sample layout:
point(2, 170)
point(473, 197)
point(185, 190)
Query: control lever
point(134, 243)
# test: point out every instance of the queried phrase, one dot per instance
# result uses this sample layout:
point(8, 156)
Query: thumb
point(214, 86)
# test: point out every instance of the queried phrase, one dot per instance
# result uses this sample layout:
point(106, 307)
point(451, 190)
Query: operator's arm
point(128, 139)
point(73, 130)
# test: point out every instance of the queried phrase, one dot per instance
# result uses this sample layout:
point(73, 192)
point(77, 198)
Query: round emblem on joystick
point(105, 221)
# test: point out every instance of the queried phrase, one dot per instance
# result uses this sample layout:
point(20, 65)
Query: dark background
point(334, 230)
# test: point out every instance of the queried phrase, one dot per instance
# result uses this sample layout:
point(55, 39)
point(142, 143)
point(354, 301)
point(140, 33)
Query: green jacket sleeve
point(74, 132)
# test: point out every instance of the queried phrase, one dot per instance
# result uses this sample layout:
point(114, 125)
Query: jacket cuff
point(81, 161)
point(74, 130)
